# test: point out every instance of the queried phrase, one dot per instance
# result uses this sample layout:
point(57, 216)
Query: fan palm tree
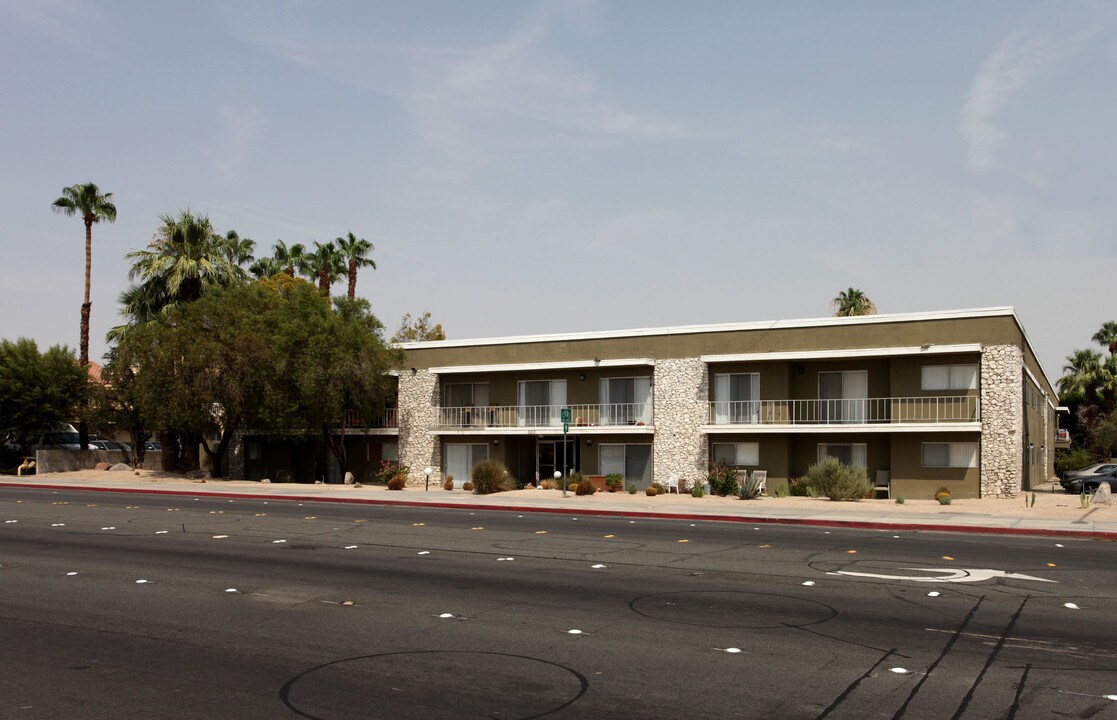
point(239, 250)
point(1107, 336)
point(355, 250)
point(327, 263)
point(93, 206)
point(291, 259)
point(187, 257)
point(265, 267)
point(852, 302)
point(1080, 377)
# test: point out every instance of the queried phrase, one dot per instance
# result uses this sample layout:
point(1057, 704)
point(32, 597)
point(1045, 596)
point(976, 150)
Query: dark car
point(1090, 483)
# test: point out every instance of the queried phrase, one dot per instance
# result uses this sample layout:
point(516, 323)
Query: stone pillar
point(419, 398)
point(680, 407)
point(1002, 420)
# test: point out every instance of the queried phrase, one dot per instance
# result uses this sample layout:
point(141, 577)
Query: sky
point(574, 165)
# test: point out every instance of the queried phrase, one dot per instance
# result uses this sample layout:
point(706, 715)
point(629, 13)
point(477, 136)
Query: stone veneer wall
point(1002, 420)
point(418, 415)
point(680, 407)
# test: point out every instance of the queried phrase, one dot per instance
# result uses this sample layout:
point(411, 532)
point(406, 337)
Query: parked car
point(1090, 471)
point(153, 445)
point(1090, 483)
point(103, 444)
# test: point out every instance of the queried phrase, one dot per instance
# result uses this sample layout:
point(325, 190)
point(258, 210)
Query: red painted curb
point(855, 524)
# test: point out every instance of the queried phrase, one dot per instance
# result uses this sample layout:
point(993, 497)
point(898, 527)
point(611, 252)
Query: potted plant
point(614, 481)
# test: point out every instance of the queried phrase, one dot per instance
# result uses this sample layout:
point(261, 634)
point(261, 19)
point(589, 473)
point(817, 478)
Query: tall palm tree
point(290, 258)
point(327, 263)
point(265, 267)
point(1107, 336)
point(852, 302)
point(187, 257)
point(1081, 376)
point(93, 206)
point(355, 250)
point(239, 250)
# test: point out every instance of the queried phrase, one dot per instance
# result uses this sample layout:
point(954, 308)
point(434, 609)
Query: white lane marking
point(809, 583)
point(110, 527)
point(141, 582)
point(733, 650)
point(218, 537)
point(446, 615)
point(933, 593)
point(161, 532)
point(9, 522)
point(1071, 606)
point(424, 552)
point(350, 547)
point(231, 590)
point(71, 573)
point(58, 525)
point(900, 670)
point(598, 566)
point(574, 632)
point(276, 542)
point(953, 575)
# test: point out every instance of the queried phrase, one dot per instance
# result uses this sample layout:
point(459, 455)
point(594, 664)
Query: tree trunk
point(324, 280)
point(188, 452)
point(169, 460)
point(83, 349)
point(139, 445)
point(352, 278)
point(338, 449)
point(217, 455)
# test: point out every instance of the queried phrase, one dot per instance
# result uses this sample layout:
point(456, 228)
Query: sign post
point(564, 415)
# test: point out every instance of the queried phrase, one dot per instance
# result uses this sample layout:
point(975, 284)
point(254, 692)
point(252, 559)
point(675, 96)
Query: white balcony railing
point(958, 408)
point(550, 416)
point(387, 419)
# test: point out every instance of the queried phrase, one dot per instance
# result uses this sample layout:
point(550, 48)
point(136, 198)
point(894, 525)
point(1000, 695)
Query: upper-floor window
point(541, 401)
point(949, 377)
point(625, 400)
point(843, 396)
point(465, 394)
point(736, 398)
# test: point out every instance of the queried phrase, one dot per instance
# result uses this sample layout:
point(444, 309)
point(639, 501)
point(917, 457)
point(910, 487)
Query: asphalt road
point(134, 606)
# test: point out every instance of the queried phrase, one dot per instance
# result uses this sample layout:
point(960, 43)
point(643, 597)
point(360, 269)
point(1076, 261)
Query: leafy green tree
point(326, 264)
point(1080, 376)
point(852, 302)
point(238, 250)
point(87, 201)
point(38, 390)
point(418, 329)
point(355, 250)
point(271, 356)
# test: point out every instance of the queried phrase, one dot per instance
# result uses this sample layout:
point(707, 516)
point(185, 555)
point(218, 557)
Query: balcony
point(861, 411)
point(388, 419)
point(545, 416)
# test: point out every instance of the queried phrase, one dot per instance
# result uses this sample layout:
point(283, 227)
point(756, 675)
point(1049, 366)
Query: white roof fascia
point(851, 353)
point(719, 327)
point(536, 366)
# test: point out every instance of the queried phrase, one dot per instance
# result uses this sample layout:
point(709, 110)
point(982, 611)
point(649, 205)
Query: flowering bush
point(388, 470)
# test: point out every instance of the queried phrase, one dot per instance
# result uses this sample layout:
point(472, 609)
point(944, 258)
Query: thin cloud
point(73, 24)
point(1011, 64)
point(241, 128)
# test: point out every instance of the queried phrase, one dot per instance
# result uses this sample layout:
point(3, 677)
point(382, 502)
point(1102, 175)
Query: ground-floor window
point(634, 461)
point(459, 459)
point(738, 454)
point(389, 451)
point(846, 453)
point(949, 454)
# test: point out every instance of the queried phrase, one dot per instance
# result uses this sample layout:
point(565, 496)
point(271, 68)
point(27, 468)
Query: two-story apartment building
point(921, 401)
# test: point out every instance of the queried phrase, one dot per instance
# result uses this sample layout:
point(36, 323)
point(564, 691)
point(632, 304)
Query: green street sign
point(564, 415)
point(565, 428)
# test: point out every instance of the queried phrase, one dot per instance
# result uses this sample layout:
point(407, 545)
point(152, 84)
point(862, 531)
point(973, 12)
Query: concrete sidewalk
point(1054, 513)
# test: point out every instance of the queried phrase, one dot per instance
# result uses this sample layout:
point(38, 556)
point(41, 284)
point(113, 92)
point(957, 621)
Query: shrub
point(615, 481)
point(449, 484)
point(652, 491)
point(660, 488)
point(1067, 460)
point(780, 491)
point(467, 486)
point(632, 489)
point(398, 482)
point(801, 487)
point(944, 500)
point(900, 500)
point(941, 493)
point(697, 491)
point(722, 479)
point(547, 484)
point(585, 487)
point(577, 478)
point(388, 470)
point(750, 488)
point(490, 476)
point(837, 481)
